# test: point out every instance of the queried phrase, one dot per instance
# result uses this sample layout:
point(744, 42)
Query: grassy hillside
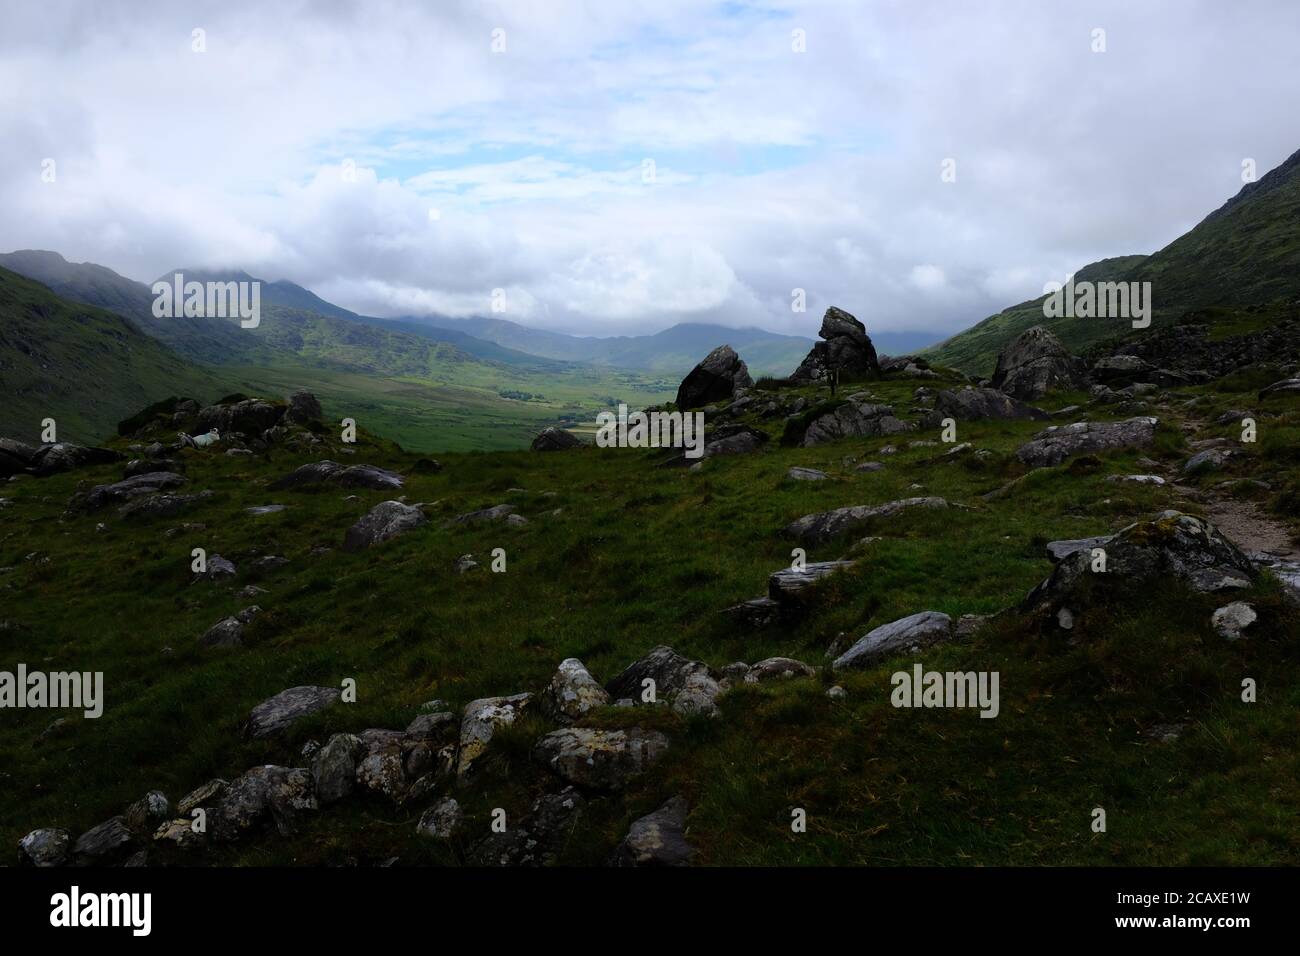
point(1246, 252)
point(637, 556)
point(85, 367)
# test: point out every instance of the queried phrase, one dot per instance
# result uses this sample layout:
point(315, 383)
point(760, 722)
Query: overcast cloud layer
point(385, 156)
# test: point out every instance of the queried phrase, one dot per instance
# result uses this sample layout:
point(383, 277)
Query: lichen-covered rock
point(600, 759)
point(205, 795)
point(275, 715)
point(1232, 619)
point(572, 692)
point(657, 839)
point(383, 522)
point(277, 794)
point(101, 496)
point(229, 631)
point(342, 476)
point(442, 820)
point(48, 846)
point(252, 416)
point(538, 837)
point(778, 668)
point(909, 633)
point(974, 404)
point(143, 816)
point(65, 456)
point(685, 684)
point(481, 720)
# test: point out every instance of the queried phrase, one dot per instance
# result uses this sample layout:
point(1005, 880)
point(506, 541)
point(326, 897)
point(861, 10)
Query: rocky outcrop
point(275, 715)
point(303, 408)
point(1036, 363)
point(657, 839)
point(854, 420)
point(101, 496)
point(334, 767)
point(1053, 445)
point(555, 439)
point(600, 759)
point(331, 472)
point(248, 417)
point(847, 350)
point(383, 522)
point(906, 634)
point(1170, 547)
point(823, 526)
point(65, 456)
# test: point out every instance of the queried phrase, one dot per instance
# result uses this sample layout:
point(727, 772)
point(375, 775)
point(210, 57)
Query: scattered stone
point(538, 838)
point(795, 588)
point(778, 668)
point(685, 684)
point(229, 632)
point(973, 404)
point(265, 509)
point(383, 522)
point(101, 496)
point(1165, 733)
point(806, 474)
point(495, 513)
point(836, 692)
point(465, 563)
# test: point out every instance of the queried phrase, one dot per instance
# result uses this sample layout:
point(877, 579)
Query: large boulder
point(972, 404)
point(847, 349)
point(1036, 363)
point(794, 588)
point(551, 438)
point(1057, 443)
point(854, 420)
point(279, 794)
point(334, 767)
point(15, 457)
point(687, 685)
point(383, 522)
point(825, 525)
point(715, 379)
point(909, 633)
point(657, 839)
point(600, 759)
point(1171, 547)
point(275, 715)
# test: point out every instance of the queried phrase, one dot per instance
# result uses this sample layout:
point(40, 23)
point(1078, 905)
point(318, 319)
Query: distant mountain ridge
point(1246, 252)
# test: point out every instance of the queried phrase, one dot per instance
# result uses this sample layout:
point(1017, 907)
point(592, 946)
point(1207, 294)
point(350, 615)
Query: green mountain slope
point(1245, 252)
point(86, 368)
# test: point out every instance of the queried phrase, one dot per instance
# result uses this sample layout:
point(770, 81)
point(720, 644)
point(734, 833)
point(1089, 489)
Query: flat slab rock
point(789, 586)
point(343, 476)
point(823, 526)
point(908, 633)
point(1054, 445)
point(275, 715)
point(1060, 550)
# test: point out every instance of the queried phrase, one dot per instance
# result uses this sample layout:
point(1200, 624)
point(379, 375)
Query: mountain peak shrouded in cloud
point(618, 171)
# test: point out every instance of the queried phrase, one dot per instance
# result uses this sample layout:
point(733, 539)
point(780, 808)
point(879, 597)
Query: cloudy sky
point(619, 167)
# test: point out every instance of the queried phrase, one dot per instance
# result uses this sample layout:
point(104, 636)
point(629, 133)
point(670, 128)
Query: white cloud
point(774, 170)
